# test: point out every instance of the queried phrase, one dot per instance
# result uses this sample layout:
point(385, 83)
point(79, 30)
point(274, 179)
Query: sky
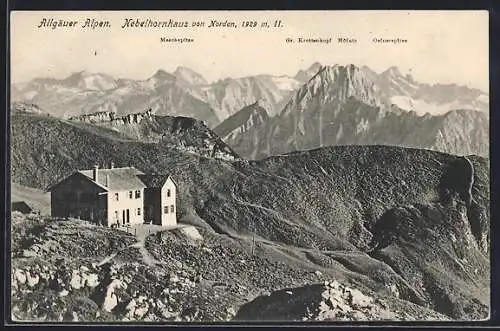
point(442, 46)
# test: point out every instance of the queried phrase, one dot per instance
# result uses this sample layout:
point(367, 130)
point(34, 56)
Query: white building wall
point(168, 218)
point(135, 207)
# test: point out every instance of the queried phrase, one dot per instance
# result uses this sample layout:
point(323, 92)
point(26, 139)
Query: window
point(168, 193)
point(172, 208)
point(130, 194)
point(117, 196)
point(165, 210)
point(137, 194)
point(138, 211)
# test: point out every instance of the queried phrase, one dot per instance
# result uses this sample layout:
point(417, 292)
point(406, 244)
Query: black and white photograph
point(249, 166)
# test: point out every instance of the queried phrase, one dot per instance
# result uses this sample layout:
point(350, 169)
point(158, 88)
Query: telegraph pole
point(253, 244)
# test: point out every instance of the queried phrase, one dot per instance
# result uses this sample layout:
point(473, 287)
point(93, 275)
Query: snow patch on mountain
point(286, 83)
point(91, 81)
point(422, 107)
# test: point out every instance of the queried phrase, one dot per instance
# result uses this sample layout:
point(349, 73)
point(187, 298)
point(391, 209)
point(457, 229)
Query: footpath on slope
point(141, 232)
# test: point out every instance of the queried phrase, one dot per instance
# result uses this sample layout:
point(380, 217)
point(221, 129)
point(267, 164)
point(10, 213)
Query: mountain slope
point(36, 199)
point(175, 132)
point(347, 211)
point(22, 107)
point(89, 81)
point(230, 95)
point(242, 121)
point(189, 76)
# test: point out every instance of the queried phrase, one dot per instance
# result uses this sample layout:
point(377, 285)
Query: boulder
point(111, 300)
point(63, 293)
point(28, 253)
point(32, 280)
point(174, 279)
point(141, 311)
point(20, 275)
point(130, 308)
point(90, 280)
point(76, 280)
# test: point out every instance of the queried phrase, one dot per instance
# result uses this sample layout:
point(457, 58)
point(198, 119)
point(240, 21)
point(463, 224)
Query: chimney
point(112, 165)
point(107, 180)
point(95, 173)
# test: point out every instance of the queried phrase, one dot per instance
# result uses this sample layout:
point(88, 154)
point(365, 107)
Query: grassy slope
point(310, 203)
point(33, 197)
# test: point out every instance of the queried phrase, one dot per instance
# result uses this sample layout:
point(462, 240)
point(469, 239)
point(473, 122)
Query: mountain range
point(183, 92)
point(350, 105)
point(265, 115)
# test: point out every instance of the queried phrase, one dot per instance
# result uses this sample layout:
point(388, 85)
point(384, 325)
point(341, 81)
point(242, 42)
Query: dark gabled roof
point(117, 179)
point(21, 206)
point(76, 173)
point(154, 180)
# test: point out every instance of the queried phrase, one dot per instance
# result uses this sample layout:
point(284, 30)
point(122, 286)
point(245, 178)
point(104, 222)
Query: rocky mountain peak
point(110, 116)
point(316, 66)
point(161, 74)
point(87, 80)
point(304, 75)
point(189, 76)
point(339, 83)
point(392, 71)
point(23, 107)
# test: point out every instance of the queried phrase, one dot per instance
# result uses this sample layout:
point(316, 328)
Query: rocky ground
point(331, 301)
point(68, 270)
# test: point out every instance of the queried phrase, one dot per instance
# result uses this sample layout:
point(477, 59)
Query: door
point(128, 215)
point(149, 212)
point(123, 217)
